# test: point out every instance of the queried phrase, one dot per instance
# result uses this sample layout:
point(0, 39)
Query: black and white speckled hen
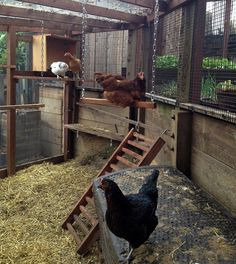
point(132, 216)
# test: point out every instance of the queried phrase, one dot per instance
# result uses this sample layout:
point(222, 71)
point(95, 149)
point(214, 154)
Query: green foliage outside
point(172, 62)
point(20, 52)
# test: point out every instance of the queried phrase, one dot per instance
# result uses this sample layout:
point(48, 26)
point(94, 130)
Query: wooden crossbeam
point(99, 101)
point(142, 3)
point(21, 77)
point(55, 17)
point(22, 106)
point(90, 9)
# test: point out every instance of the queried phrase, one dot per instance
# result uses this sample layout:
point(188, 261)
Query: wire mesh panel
point(168, 43)
point(218, 86)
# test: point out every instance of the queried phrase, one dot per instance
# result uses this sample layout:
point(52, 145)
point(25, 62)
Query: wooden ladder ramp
point(134, 151)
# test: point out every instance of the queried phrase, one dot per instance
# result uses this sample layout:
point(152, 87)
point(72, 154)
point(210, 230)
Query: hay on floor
point(33, 204)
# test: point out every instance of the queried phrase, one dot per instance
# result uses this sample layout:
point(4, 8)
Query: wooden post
point(185, 56)
point(68, 116)
point(197, 52)
point(11, 100)
point(226, 28)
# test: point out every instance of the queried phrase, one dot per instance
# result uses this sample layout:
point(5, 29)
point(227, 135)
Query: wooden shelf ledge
point(101, 101)
point(20, 77)
point(22, 106)
point(95, 131)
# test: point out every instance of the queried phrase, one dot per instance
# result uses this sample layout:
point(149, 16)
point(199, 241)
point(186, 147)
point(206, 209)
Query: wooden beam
point(98, 101)
point(55, 17)
point(11, 99)
point(226, 28)
point(19, 22)
point(22, 106)
point(142, 3)
point(91, 10)
point(19, 77)
point(28, 39)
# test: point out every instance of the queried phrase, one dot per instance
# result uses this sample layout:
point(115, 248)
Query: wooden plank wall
point(105, 52)
point(213, 163)
point(52, 120)
point(159, 119)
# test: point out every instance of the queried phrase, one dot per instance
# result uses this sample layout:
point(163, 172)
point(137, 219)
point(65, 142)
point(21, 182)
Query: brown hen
point(122, 92)
point(73, 62)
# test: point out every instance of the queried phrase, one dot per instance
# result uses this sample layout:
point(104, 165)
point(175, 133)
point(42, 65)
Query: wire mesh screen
point(168, 43)
point(105, 52)
point(218, 86)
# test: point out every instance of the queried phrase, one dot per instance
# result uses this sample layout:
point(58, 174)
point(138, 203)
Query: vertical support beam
point(226, 28)
point(197, 53)
point(11, 100)
point(68, 118)
point(185, 53)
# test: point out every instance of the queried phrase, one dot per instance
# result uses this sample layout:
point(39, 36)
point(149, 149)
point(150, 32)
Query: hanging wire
point(83, 38)
point(154, 48)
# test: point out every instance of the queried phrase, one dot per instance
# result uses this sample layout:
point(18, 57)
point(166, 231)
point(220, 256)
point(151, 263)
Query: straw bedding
point(33, 204)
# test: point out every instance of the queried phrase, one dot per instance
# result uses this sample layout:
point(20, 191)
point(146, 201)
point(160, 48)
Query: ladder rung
point(140, 136)
point(114, 167)
point(73, 233)
point(132, 153)
point(126, 162)
point(81, 224)
point(137, 145)
point(87, 215)
point(92, 236)
point(90, 201)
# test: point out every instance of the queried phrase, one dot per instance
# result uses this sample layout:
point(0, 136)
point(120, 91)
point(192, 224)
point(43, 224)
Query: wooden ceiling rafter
point(141, 3)
point(59, 18)
point(90, 9)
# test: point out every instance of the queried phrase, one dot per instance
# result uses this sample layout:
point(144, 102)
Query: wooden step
point(87, 215)
point(132, 153)
point(126, 162)
point(144, 138)
point(73, 233)
point(81, 224)
point(114, 167)
point(137, 145)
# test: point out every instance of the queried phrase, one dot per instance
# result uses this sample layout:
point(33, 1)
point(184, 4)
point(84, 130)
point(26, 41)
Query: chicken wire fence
point(212, 72)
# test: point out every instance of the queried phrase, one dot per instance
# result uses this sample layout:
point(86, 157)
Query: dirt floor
point(33, 204)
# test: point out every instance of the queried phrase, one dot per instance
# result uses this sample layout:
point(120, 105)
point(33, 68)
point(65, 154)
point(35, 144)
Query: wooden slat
point(11, 100)
point(7, 66)
point(114, 167)
point(98, 101)
point(132, 153)
point(142, 3)
point(86, 243)
point(23, 106)
point(91, 10)
point(19, 22)
point(126, 162)
point(87, 214)
point(81, 224)
point(137, 145)
point(140, 136)
point(90, 201)
point(19, 77)
point(95, 131)
point(55, 17)
point(73, 233)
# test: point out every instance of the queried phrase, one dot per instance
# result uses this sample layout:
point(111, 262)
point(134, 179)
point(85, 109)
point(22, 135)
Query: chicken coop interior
point(101, 91)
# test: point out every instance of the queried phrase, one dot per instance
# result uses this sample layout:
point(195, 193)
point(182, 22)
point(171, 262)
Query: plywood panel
point(160, 119)
point(52, 105)
point(51, 119)
point(216, 138)
point(215, 178)
point(51, 135)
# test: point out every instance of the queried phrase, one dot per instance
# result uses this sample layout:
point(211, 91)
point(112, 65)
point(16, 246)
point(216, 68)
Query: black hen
point(132, 217)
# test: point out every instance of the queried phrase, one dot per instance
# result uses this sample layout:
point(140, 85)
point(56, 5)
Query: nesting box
point(49, 48)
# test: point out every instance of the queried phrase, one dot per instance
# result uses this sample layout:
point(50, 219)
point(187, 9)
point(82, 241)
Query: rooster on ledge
point(120, 91)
